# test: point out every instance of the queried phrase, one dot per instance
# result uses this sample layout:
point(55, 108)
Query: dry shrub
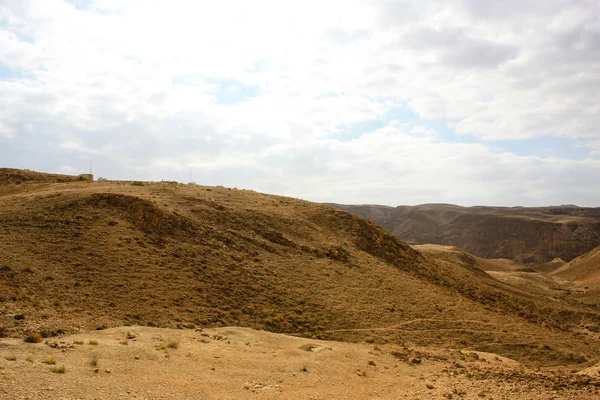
point(33, 338)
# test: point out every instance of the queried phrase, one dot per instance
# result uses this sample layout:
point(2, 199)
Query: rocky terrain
point(240, 363)
point(82, 260)
point(523, 234)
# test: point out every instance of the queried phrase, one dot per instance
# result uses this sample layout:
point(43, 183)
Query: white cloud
point(137, 87)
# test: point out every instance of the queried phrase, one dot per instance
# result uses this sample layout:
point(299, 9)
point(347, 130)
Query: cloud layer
point(398, 102)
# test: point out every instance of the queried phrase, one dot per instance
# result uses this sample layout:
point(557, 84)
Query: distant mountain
point(523, 234)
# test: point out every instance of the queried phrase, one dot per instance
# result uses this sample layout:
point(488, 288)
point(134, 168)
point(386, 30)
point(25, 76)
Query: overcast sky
point(472, 102)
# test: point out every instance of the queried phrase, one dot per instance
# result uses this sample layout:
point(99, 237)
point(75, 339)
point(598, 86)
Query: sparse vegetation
point(161, 346)
point(94, 358)
point(49, 360)
point(33, 338)
point(183, 256)
point(93, 342)
point(58, 370)
point(10, 358)
point(47, 333)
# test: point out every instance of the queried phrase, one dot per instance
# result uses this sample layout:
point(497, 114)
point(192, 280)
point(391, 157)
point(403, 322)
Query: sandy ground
point(241, 363)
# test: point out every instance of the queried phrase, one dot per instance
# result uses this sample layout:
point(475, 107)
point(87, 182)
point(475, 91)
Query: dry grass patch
point(93, 342)
point(94, 359)
point(59, 370)
point(33, 338)
point(49, 360)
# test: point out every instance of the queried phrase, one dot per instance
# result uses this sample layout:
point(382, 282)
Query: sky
point(470, 102)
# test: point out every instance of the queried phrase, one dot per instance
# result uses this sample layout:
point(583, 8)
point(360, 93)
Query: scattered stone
point(60, 345)
point(430, 386)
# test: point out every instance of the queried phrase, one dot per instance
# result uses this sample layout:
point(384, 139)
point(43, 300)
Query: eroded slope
point(93, 255)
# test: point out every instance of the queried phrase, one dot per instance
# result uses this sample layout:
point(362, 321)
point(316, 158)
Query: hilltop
point(523, 234)
point(77, 256)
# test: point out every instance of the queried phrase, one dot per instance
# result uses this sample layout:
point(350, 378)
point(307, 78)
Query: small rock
point(430, 386)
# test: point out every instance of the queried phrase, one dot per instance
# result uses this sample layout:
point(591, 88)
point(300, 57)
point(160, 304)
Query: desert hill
point(530, 278)
point(523, 234)
point(78, 255)
point(584, 271)
point(584, 267)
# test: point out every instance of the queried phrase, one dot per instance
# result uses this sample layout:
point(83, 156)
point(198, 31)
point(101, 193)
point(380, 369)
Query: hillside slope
point(524, 277)
point(518, 233)
point(584, 271)
point(82, 255)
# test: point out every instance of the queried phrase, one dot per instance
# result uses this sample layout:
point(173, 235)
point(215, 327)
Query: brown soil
point(584, 273)
point(78, 256)
point(523, 234)
point(531, 278)
point(238, 363)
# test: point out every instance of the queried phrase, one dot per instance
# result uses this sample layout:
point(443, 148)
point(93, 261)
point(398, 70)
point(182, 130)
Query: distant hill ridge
point(524, 234)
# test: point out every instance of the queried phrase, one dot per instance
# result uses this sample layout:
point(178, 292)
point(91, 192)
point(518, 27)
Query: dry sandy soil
point(86, 258)
point(240, 363)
